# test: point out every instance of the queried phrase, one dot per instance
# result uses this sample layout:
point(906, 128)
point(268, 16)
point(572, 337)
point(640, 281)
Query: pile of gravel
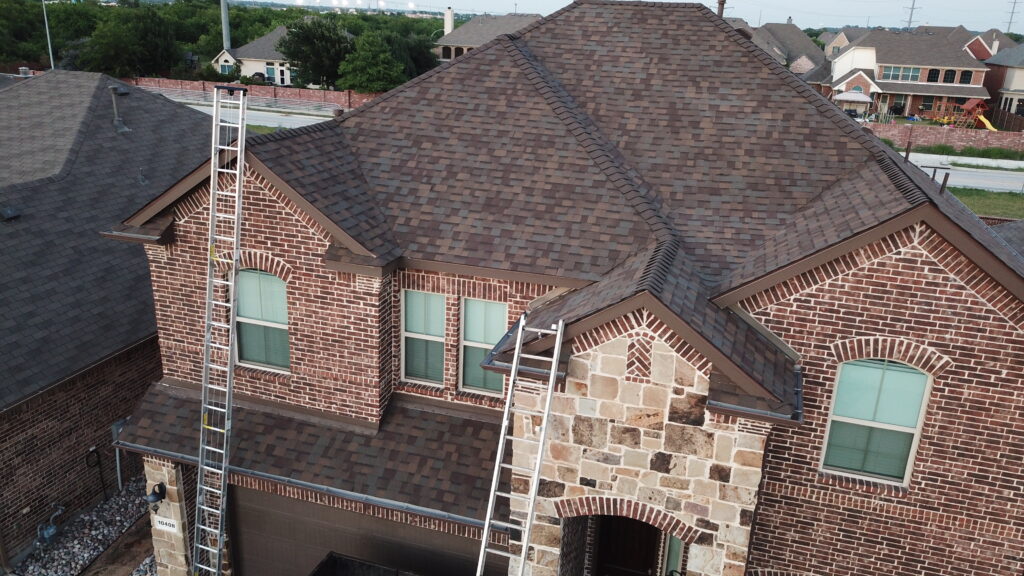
point(147, 568)
point(85, 537)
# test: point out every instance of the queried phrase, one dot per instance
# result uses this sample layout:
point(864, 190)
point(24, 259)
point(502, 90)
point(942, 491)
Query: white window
point(262, 319)
point(876, 417)
point(226, 69)
point(483, 324)
point(423, 337)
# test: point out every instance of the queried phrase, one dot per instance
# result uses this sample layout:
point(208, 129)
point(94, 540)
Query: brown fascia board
point(160, 232)
point(202, 173)
point(928, 213)
point(647, 300)
point(823, 256)
point(741, 412)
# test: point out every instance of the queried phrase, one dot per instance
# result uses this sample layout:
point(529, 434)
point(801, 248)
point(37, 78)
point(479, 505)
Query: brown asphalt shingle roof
point(786, 42)
point(484, 28)
point(916, 49)
point(262, 48)
point(676, 175)
point(70, 297)
point(420, 455)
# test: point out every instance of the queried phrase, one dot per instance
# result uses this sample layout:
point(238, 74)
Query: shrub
point(888, 143)
point(941, 149)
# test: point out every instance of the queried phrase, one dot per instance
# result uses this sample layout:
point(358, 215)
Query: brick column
point(170, 522)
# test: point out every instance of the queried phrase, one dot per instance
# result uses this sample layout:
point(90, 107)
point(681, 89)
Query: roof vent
point(8, 213)
point(24, 71)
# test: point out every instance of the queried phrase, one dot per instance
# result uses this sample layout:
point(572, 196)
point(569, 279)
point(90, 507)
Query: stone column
point(169, 521)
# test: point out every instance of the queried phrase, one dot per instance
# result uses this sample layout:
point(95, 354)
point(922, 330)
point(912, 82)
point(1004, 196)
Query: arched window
point(262, 319)
point(446, 53)
point(857, 89)
point(876, 417)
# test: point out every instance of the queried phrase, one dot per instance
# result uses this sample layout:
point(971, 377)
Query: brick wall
point(346, 99)
point(44, 441)
point(630, 436)
point(913, 298)
point(958, 138)
point(456, 287)
point(334, 318)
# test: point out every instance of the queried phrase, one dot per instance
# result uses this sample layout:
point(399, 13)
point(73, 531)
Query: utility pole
point(1013, 12)
point(910, 19)
point(49, 45)
point(225, 27)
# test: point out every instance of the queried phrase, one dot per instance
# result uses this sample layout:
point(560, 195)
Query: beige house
point(258, 59)
point(477, 32)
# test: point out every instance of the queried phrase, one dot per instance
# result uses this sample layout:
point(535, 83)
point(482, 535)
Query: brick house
point(788, 44)
point(790, 352)
point(917, 72)
point(76, 320)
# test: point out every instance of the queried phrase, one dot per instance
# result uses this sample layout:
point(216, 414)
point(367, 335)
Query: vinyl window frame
point(239, 361)
point(429, 337)
point(911, 455)
point(463, 343)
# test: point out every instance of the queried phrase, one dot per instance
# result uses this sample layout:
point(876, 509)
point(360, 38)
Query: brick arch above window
point(922, 357)
point(626, 508)
point(254, 259)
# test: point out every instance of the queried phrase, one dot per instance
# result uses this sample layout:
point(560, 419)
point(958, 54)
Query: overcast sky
point(974, 14)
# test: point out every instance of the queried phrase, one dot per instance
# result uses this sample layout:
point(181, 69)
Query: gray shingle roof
point(916, 49)
point(262, 48)
point(71, 297)
point(934, 89)
point(437, 459)
point(1013, 57)
point(1013, 233)
point(674, 176)
point(484, 28)
point(786, 43)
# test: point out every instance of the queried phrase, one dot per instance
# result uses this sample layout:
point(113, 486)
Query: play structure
point(972, 113)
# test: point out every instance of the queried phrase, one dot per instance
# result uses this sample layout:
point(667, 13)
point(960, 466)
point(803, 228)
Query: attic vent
point(120, 90)
point(8, 213)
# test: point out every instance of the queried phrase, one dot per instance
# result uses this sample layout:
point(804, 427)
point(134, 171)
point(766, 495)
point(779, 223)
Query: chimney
point(789, 20)
point(995, 46)
point(449, 21)
point(721, 8)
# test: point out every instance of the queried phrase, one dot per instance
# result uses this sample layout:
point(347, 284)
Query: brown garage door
point(278, 536)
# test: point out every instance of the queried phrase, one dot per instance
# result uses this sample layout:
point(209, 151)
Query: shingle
point(484, 28)
point(916, 49)
point(71, 297)
point(386, 464)
point(262, 48)
point(787, 43)
point(1013, 234)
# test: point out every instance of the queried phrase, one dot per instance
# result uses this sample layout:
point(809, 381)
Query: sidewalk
point(939, 160)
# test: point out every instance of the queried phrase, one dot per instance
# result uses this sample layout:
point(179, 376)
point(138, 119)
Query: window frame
point(938, 75)
point(238, 348)
point(966, 77)
point(403, 334)
point(949, 76)
point(463, 343)
point(911, 455)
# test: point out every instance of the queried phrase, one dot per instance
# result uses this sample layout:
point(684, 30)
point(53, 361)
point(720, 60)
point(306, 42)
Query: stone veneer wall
point(170, 548)
point(630, 436)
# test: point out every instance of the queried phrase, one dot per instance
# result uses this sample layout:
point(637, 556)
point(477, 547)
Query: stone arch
point(627, 508)
point(259, 261)
point(922, 357)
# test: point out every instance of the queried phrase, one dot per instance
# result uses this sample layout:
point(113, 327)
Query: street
point(996, 180)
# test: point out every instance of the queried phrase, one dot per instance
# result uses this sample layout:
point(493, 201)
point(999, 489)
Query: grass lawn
point(985, 203)
point(983, 167)
point(257, 129)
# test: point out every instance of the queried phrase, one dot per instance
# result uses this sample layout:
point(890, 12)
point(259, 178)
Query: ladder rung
point(535, 357)
point(506, 525)
point(214, 490)
point(208, 529)
point(511, 495)
point(207, 548)
point(217, 450)
point(228, 124)
point(219, 303)
point(220, 282)
point(232, 148)
point(541, 330)
point(517, 468)
point(220, 346)
point(204, 567)
point(502, 553)
point(212, 469)
point(224, 239)
point(217, 408)
point(211, 428)
point(225, 216)
point(526, 412)
point(527, 440)
point(219, 325)
point(221, 368)
point(227, 193)
point(210, 510)
point(227, 171)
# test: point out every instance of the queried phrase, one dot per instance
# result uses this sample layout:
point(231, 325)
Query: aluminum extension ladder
point(501, 465)
point(219, 343)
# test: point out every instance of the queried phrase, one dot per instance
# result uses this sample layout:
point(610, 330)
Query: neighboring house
point(789, 352)
point(76, 313)
point(478, 31)
point(788, 44)
point(741, 26)
point(1005, 79)
point(827, 37)
point(981, 46)
point(258, 59)
point(908, 73)
point(842, 39)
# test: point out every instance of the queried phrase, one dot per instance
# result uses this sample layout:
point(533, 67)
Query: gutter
point(348, 495)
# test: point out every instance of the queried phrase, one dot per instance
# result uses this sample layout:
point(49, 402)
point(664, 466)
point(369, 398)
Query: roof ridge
point(608, 158)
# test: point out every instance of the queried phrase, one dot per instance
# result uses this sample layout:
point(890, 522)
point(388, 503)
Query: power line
point(1013, 11)
point(910, 19)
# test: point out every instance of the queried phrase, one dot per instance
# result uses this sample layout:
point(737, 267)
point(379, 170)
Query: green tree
point(132, 42)
point(316, 47)
point(372, 67)
point(1018, 38)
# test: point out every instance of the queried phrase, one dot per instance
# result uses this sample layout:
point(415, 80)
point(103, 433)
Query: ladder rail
point(535, 480)
point(505, 438)
point(217, 398)
point(506, 413)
